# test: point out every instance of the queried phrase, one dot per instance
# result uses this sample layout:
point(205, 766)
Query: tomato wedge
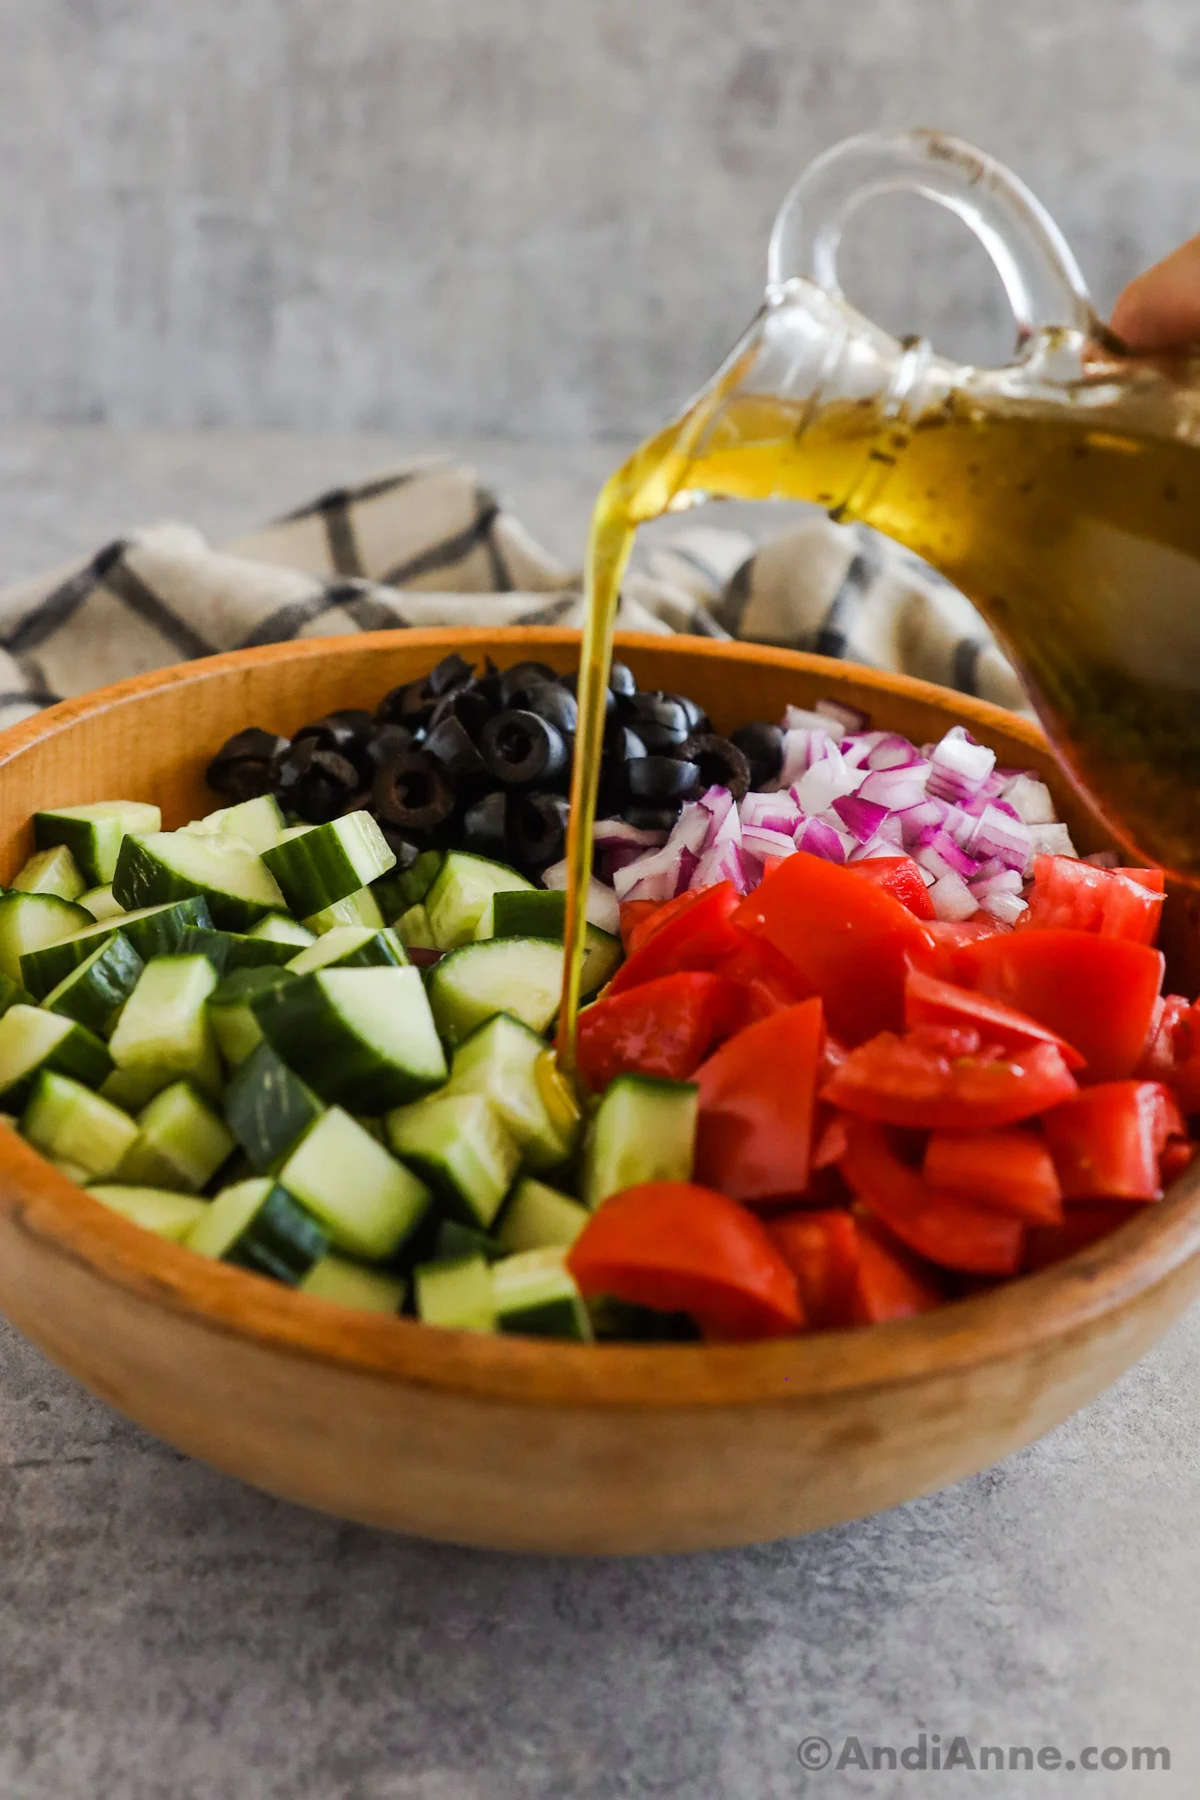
point(678, 1247)
point(1169, 1041)
point(939, 1075)
point(697, 931)
point(891, 1283)
point(665, 1027)
point(900, 877)
point(1106, 1142)
point(636, 916)
point(1077, 896)
point(1097, 992)
point(940, 1227)
point(758, 1095)
point(821, 1248)
point(928, 1001)
point(1011, 1171)
point(1083, 1225)
point(852, 943)
point(949, 936)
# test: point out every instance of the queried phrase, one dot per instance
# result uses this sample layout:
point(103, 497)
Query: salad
point(863, 1033)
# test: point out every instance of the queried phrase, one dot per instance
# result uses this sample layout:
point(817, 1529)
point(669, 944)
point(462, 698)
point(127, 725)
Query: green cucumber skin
point(325, 863)
point(95, 992)
point(415, 882)
point(157, 934)
point(268, 1108)
point(331, 1058)
point(282, 1240)
point(78, 1054)
point(40, 917)
point(454, 982)
point(382, 950)
point(140, 880)
point(94, 843)
point(230, 950)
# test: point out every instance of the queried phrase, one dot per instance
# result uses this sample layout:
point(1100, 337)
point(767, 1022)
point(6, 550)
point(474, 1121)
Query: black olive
point(469, 705)
point(520, 748)
point(622, 743)
point(651, 818)
point(620, 680)
point(661, 780)
point(386, 742)
point(402, 848)
point(414, 792)
point(537, 829)
point(570, 685)
point(762, 746)
point(516, 682)
point(697, 719)
point(485, 826)
point(343, 731)
point(719, 763)
point(488, 684)
point(659, 720)
point(449, 745)
point(410, 704)
point(454, 671)
point(554, 704)
point(244, 766)
point(313, 783)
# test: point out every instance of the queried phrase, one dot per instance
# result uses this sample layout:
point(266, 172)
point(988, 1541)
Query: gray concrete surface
point(509, 216)
point(166, 1634)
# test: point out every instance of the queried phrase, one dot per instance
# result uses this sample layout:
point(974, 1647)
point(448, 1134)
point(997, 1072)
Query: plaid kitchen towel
point(426, 545)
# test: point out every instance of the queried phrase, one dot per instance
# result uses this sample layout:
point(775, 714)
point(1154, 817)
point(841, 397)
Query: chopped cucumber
point(453, 1238)
point(268, 1108)
point(51, 872)
point(33, 1041)
point(538, 1217)
point(461, 1146)
point(414, 930)
point(258, 1225)
point(350, 947)
point(153, 931)
point(500, 1061)
point(27, 921)
point(360, 1037)
point(173, 865)
point(534, 1294)
point(166, 1214)
point(229, 950)
point(367, 1201)
point(319, 864)
point(277, 928)
point(643, 1130)
point(542, 913)
point(461, 893)
point(95, 992)
point(181, 1142)
point(413, 883)
point(131, 1088)
point(347, 1284)
point(456, 1293)
point(259, 823)
point(521, 976)
point(94, 834)
point(72, 1124)
point(389, 896)
point(12, 995)
point(361, 908)
point(231, 1011)
point(100, 903)
point(164, 1024)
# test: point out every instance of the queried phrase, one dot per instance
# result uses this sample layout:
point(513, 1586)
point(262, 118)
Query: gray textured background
point(516, 216)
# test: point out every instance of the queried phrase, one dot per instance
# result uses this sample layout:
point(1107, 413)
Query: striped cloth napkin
point(427, 545)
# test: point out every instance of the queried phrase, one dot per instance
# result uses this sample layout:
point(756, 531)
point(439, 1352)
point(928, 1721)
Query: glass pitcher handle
point(1040, 276)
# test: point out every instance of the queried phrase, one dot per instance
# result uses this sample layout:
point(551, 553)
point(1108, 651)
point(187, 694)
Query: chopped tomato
point(755, 961)
point(938, 1226)
point(928, 1001)
point(1071, 895)
point(891, 1283)
point(683, 1248)
point(1097, 992)
point(938, 1075)
point(852, 943)
point(1177, 1159)
point(665, 1027)
point(757, 1100)
point(831, 1143)
point(1082, 1226)
point(697, 931)
point(636, 916)
point(1011, 1171)
point(949, 936)
point(1169, 1040)
point(822, 1251)
point(900, 877)
point(1106, 1142)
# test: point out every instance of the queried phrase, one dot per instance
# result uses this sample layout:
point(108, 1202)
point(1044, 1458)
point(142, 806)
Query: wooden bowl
point(511, 1443)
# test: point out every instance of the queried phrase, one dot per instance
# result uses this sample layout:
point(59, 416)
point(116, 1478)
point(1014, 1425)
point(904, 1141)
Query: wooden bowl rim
point(1059, 1303)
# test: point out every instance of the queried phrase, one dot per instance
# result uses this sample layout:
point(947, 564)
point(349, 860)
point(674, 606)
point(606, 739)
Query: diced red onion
point(937, 843)
point(795, 718)
point(1006, 909)
point(898, 787)
point(603, 908)
point(879, 845)
point(824, 783)
point(861, 818)
point(891, 829)
point(848, 717)
point(1007, 881)
point(758, 841)
point(717, 802)
point(916, 819)
point(996, 834)
point(1051, 840)
point(819, 838)
point(892, 752)
point(688, 864)
point(608, 832)
point(951, 898)
point(422, 957)
point(800, 749)
point(658, 885)
point(960, 766)
point(1030, 799)
point(1103, 859)
point(855, 750)
point(724, 862)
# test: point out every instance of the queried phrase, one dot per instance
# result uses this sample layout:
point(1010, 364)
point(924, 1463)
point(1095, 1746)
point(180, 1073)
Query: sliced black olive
point(469, 705)
point(454, 671)
point(651, 818)
point(449, 744)
point(762, 746)
point(537, 829)
point(697, 719)
point(620, 680)
point(516, 682)
point(570, 685)
point(414, 792)
point(719, 763)
point(488, 684)
point(315, 784)
point(554, 704)
point(661, 780)
point(622, 743)
point(338, 730)
point(388, 741)
point(659, 720)
point(402, 847)
point(485, 826)
point(244, 766)
point(520, 748)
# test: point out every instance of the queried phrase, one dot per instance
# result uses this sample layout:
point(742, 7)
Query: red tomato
point(852, 943)
point(682, 1248)
point(937, 1075)
point(821, 1249)
point(1096, 992)
point(940, 1227)
point(1011, 1171)
point(1169, 1040)
point(1073, 895)
point(753, 960)
point(1082, 1226)
point(757, 1099)
point(900, 877)
point(696, 932)
point(1177, 1159)
point(1106, 1142)
point(891, 1283)
point(949, 937)
point(636, 916)
point(928, 1001)
point(665, 1027)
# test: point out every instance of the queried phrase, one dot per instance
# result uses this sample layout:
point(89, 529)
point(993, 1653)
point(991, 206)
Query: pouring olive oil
point(1060, 493)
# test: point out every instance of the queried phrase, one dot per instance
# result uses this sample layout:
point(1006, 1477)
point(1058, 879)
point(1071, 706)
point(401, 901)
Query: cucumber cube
point(367, 1201)
point(318, 864)
point(94, 834)
point(461, 1146)
point(69, 1123)
point(456, 1293)
point(535, 1295)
